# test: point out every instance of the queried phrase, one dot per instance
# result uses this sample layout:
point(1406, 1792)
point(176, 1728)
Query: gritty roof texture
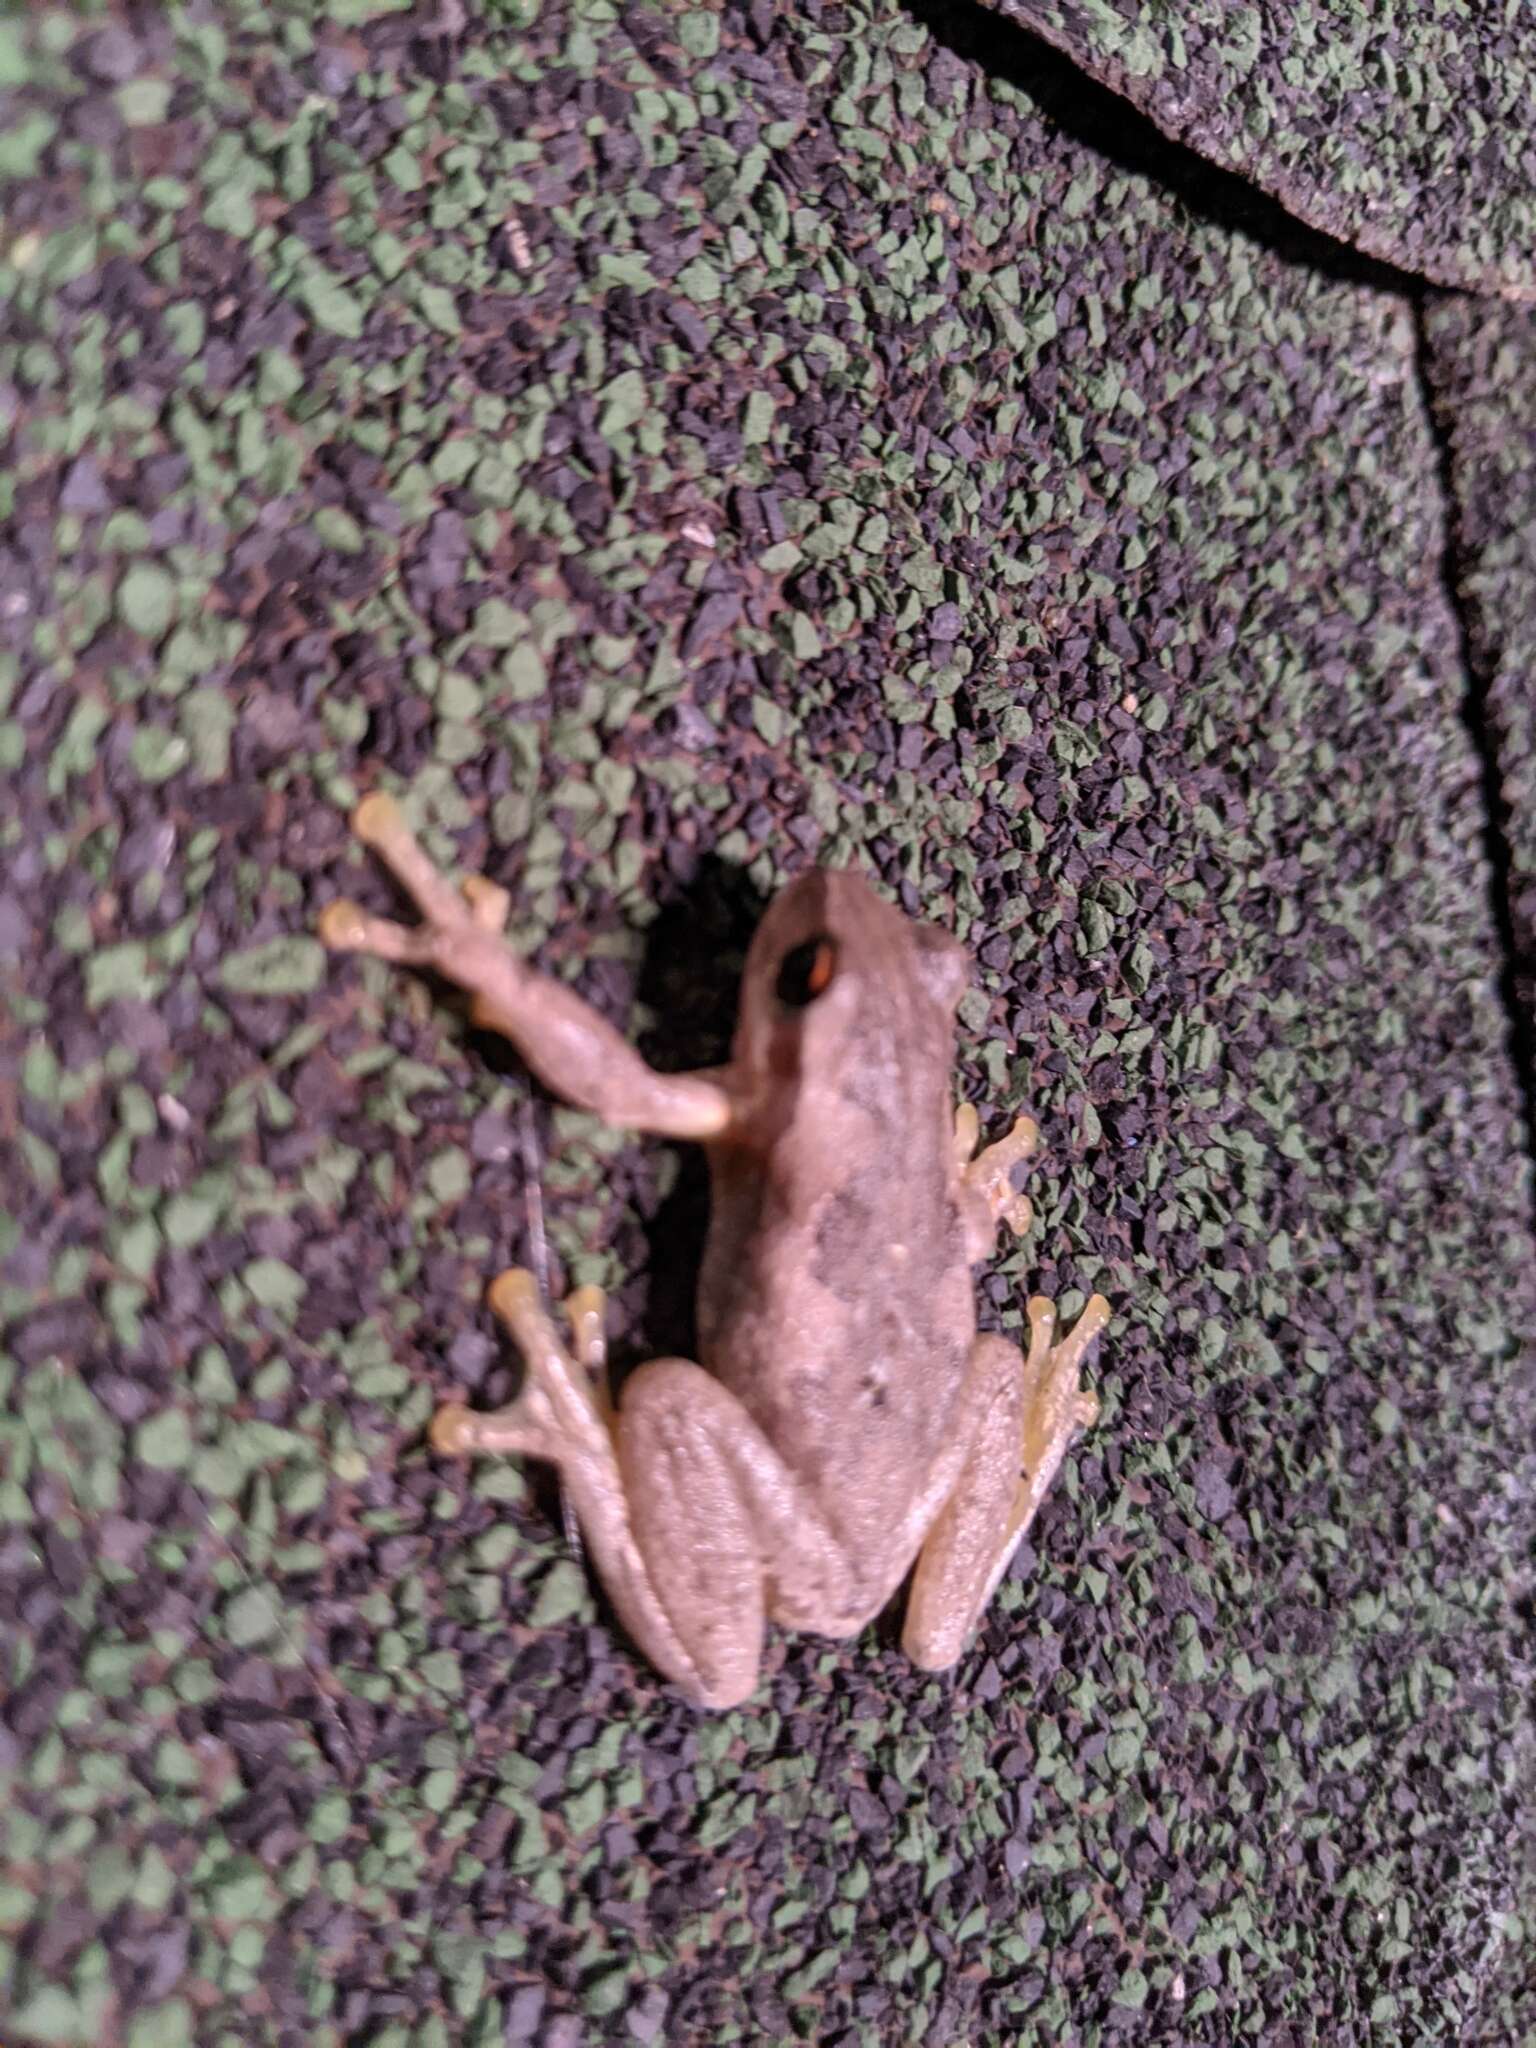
point(668, 448)
point(1480, 362)
point(1399, 126)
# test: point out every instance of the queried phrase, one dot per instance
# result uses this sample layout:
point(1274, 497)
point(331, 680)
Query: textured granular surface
point(1480, 361)
point(1402, 128)
point(669, 448)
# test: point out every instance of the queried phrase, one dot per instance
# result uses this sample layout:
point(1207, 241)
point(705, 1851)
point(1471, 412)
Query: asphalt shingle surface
point(1402, 129)
point(1480, 362)
point(669, 448)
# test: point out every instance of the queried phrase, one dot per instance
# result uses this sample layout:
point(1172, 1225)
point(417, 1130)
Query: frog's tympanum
point(846, 1421)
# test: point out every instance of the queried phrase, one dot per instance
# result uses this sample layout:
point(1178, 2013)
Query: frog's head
point(843, 990)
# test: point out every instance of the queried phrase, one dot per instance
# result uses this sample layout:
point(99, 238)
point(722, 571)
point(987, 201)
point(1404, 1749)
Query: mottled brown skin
point(846, 1420)
point(835, 1300)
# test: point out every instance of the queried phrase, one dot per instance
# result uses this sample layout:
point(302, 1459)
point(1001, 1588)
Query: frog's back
point(836, 1298)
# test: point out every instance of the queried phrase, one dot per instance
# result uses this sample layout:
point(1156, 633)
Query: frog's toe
point(579, 1410)
point(345, 927)
point(526, 1426)
point(380, 823)
point(378, 820)
point(1059, 1404)
point(1023, 1139)
point(586, 1311)
point(489, 904)
point(514, 1297)
point(1073, 1347)
point(1040, 1311)
point(452, 1434)
point(990, 1174)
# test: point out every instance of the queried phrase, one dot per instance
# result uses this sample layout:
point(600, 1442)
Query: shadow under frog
point(846, 1418)
point(688, 973)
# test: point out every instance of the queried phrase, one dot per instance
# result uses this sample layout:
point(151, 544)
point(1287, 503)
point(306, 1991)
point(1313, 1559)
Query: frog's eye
point(805, 972)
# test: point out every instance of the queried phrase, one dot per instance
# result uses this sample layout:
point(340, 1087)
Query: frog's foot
point(477, 907)
point(1026, 1412)
point(1056, 1407)
point(564, 1412)
point(989, 1173)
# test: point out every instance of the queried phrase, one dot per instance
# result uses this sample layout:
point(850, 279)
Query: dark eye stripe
point(806, 972)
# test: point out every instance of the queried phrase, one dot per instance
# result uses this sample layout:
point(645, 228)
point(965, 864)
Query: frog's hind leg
point(727, 1534)
point(562, 1417)
point(1027, 1412)
point(680, 1497)
point(954, 1575)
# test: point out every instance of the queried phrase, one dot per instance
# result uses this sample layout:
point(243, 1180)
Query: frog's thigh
point(724, 1530)
point(958, 1565)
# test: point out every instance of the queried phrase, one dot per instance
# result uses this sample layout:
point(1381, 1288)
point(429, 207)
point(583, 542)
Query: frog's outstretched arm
point(568, 1045)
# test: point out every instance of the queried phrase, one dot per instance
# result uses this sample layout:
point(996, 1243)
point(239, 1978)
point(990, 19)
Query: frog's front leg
point(990, 1195)
point(686, 1510)
point(570, 1047)
point(1024, 1412)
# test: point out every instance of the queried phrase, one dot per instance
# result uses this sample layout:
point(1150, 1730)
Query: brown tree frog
point(846, 1420)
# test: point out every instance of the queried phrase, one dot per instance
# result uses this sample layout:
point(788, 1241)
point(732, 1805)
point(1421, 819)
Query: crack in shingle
point(1516, 970)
